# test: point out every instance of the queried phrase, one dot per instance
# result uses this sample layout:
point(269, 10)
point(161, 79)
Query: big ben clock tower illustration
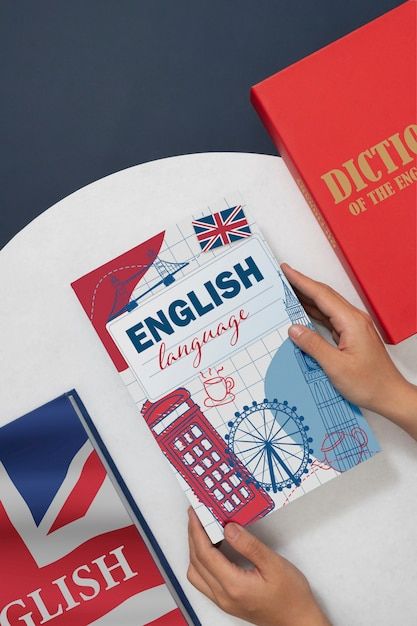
point(346, 442)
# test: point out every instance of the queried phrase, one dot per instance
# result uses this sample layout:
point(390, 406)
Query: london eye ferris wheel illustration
point(273, 442)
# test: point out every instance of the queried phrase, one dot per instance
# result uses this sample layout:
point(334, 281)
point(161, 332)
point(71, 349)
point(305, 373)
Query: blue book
point(196, 322)
point(69, 549)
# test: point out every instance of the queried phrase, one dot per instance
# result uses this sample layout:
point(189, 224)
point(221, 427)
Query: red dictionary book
point(345, 121)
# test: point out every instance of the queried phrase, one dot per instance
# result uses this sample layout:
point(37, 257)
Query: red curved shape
point(81, 497)
point(96, 290)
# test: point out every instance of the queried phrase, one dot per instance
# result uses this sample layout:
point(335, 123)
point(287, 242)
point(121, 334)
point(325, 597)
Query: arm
point(359, 366)
point(272, 593)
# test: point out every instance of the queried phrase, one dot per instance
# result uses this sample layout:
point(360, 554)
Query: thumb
point(248, 546)
point(313, 344)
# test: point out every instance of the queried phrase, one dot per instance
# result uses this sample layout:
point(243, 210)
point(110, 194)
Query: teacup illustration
point(343, 450)
point(218, 390)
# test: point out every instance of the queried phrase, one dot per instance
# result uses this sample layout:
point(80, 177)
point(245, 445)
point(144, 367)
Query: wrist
point(314, 616)
point(308, 613)
point(398, 403)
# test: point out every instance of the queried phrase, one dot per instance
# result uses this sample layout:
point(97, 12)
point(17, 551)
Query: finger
point(313, 344)
point(199, 583)
point(302, 297)
point(207, 557)
point(328, 301)
point(317, 315)
point(250, 547)
point(308, 287)
point(313, 311)
point(204, 574)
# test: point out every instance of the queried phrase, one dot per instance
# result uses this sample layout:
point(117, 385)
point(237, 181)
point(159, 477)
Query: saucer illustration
point(209, 402)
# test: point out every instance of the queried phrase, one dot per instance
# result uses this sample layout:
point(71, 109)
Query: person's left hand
point(272, 593)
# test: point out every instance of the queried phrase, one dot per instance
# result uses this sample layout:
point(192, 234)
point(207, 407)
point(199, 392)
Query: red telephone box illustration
point(199, 454)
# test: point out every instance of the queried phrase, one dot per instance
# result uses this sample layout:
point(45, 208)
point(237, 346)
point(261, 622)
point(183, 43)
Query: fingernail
point(231, 532)
point(295, 330)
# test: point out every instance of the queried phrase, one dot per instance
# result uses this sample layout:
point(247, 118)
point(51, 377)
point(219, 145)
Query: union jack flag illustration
point(70, 554)
point(222, 228)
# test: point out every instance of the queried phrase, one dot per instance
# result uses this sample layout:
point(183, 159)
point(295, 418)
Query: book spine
point(314, 206)
point(289, 162)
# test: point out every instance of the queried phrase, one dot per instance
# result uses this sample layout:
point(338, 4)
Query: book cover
point(70, 554)
point(345, 121)
point(196, 322)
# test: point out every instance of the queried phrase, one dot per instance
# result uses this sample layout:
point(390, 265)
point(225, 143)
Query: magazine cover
point(196, 322)
point(70, 554)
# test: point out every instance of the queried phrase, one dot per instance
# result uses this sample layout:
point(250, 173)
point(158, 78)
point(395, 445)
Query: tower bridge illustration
point(345, 442)
point(164, 274)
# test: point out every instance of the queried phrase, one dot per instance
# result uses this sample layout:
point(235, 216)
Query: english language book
point(196, 322)
point(344, 119)
point(69, 551)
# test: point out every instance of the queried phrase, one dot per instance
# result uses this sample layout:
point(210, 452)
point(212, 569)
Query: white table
point(355, 537)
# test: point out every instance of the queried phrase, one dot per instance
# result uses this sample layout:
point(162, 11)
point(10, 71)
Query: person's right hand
point(359, 366)
point(273, 592)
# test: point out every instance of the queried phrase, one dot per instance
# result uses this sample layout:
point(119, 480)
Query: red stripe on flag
point(174, 618)
point(81, 497)
point(20, 575)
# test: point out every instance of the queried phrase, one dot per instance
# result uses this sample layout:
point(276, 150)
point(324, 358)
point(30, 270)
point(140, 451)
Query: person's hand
point(272, 593)
point(359, 366)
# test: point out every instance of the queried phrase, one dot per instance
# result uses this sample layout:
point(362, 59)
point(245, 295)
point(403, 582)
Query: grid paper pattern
point(247, 367)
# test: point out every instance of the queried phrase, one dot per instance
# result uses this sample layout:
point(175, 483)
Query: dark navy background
point(91, 87)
